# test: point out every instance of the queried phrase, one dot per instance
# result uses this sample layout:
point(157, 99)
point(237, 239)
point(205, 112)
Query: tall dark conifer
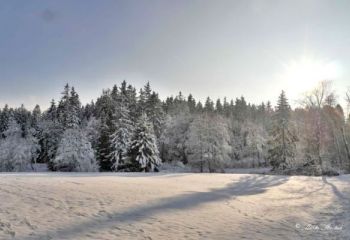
point(282, 138)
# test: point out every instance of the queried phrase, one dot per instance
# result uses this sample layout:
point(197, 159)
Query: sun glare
point(303, 74)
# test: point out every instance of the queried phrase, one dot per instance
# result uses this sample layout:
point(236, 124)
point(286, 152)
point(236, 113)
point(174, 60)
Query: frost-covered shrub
point(16, 152)
point(207, 143)
point(74, 153)
point(173, 140)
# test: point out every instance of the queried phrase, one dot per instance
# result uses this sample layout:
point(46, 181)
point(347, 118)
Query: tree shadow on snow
point(249, 185)
point(335, 190)
point(339, 210)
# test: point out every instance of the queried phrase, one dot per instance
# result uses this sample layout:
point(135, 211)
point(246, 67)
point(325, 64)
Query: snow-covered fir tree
point(104, 147)
point(143, 151)
point(4, 118)
point(74, 152)
point(282, 143)
point(121, 138)
point(104, 108)
point(51, 133)
point(150, 104)
point(69, 108)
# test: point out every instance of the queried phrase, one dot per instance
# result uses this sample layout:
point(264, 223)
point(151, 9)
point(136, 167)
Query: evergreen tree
point(240, 109)
point(226, 107)
point(121, 138)
point(132, 102)
point(209, 105)
point(143, 150)
point(50, 137)
point(63, 106)
point(23, 118)
point(36, 115)
point(50, 134)
point(105, 105)
point(282, 143)
point(123, 89)
point(155, 114)
point(74, 152)
point(104, 147)
point(191, 103)
point(69, 108)
point(218, 106)
point(51, 113)
point(5, 115)
point(115, 93)
point(74, 107)
point(199, 107)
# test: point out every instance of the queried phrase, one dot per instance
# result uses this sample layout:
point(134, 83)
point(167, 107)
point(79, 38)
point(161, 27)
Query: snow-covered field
point(173, 206)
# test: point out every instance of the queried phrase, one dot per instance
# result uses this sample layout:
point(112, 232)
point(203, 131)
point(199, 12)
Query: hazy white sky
point(204, 47)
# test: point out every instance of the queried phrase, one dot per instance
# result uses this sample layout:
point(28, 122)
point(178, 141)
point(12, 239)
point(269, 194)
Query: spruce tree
point(5, 114)
point(74, 108)
point(36, 116)
point(50, 135)
point(282, 143)
point(191, 103)
point(74, 152)
point(218, 106)
point(121, 138)
point(51, 113)
point(199, 107)
point(63, 106)
point(209, 105)
point(143, 150)
point(132, 102)
point(103, 146)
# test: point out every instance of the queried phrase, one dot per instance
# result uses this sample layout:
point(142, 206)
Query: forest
point(128, 130)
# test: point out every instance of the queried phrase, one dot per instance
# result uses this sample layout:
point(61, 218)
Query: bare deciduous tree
point(315, 100)
point(322, 95)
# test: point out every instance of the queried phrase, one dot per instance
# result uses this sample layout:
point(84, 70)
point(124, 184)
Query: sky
point(204, 47)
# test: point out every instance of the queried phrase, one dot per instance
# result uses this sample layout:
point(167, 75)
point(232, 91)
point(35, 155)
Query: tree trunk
point(336, 141)
point(346, 147)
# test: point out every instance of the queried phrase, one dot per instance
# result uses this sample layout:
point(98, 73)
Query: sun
point(303, 74)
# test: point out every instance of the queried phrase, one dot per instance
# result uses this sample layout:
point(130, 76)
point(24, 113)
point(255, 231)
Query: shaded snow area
point(173, 206)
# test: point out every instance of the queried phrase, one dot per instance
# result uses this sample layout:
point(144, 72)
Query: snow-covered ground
point(173, 206)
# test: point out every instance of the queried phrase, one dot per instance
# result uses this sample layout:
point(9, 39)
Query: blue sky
point(216, 48)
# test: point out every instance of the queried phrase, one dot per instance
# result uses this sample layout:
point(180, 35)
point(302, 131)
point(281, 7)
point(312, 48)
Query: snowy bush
point(207, 143)
point(74, 153)
point(175, 167)
point(173, 139)
point(16, 152)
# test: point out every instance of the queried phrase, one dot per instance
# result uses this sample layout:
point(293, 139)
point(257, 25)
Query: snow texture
point(173, 206)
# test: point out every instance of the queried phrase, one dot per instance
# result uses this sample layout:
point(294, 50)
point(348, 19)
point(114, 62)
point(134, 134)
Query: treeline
point(130, 130)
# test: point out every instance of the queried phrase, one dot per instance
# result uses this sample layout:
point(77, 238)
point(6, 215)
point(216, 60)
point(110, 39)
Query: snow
point(173, 206)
